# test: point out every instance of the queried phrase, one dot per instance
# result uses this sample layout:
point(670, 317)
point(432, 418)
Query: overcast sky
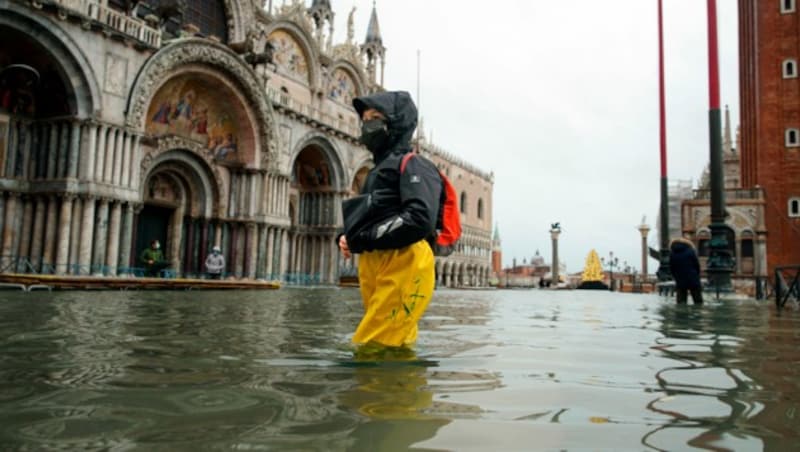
point(560, 101)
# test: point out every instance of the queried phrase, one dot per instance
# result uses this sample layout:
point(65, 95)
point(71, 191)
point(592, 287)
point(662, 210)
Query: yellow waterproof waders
point(396, 287)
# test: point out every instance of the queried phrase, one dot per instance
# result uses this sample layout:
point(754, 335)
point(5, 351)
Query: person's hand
point(344, 248)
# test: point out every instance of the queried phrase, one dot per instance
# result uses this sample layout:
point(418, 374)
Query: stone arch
point(238, 23)
point(304, 41)
point(329, 151)
point(195, 174)
point(352, 72)
point(358, 180)
point(176, 57)
point(447, 274)
point(76, 70)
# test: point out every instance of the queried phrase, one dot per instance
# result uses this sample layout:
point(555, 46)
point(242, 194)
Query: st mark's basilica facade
point(197, 123)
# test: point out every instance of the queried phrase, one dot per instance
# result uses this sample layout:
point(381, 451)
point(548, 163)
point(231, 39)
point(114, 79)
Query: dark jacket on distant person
point(394, 210)
point(684, 265)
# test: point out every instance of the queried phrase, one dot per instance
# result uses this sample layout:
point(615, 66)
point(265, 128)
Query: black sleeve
point(420, 191)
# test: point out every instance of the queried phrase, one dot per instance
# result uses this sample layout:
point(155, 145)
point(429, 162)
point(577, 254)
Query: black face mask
point(375, 134)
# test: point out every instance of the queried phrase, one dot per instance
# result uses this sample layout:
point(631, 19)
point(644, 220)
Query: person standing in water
point(389, 222)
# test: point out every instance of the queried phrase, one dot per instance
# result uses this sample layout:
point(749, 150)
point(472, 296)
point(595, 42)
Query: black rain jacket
point(684, 264)
point(393, 210)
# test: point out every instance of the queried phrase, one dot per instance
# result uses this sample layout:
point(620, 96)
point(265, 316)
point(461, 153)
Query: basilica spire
point(373, 48)
point(374, 29)
point(322, 14)
point(727, 141)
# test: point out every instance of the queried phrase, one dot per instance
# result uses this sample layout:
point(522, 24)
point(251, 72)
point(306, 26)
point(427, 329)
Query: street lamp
point(612, 262)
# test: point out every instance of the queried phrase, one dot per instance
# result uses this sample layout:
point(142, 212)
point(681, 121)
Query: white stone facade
point(247, 142)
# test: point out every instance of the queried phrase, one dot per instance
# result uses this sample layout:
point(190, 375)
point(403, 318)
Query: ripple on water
point(504, 370)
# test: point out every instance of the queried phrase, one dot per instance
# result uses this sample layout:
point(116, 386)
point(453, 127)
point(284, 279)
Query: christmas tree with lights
point(592, 277)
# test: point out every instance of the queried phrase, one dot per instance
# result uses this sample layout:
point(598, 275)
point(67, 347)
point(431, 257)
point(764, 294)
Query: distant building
point(745, 208)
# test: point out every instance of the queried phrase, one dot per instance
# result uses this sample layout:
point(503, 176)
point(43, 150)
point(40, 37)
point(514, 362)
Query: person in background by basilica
point(215, 263)
point(685, 268)
point(152, 259)
point(388, 223)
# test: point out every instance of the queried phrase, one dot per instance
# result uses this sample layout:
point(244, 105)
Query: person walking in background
point(215, 263)
point(685, 268)
point(153, 259)
point(388, 223)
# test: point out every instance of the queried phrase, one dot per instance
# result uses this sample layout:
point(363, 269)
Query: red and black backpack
point(448, 221)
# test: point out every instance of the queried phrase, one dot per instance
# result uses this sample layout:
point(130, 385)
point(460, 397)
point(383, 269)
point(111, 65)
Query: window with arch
point(209, 16)
point(792, 137)
point(788, 6)
point(480, 209)
point(463, 202)
point(790, 68)
point(794, 207)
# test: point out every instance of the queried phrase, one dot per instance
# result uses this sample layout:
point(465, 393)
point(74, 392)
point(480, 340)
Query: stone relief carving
point(296, 12)
point(199, 51)
point(116, 76)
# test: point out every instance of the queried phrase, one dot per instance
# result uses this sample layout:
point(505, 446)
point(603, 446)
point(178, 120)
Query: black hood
point(401, 118)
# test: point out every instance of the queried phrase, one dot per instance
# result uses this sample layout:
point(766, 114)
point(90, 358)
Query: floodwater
point(493, 370)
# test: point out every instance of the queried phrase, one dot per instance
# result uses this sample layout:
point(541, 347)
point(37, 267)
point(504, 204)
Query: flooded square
point(493, 370)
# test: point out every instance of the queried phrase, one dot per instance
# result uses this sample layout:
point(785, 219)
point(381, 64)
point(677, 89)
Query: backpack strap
point(405, 160)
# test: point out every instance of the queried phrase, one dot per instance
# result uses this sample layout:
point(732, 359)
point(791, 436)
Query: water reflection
point(391, 393)
point(707, 393)
point(492, 370)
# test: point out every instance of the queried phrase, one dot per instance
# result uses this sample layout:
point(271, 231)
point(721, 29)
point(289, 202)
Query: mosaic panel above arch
point(342, 87)
point(288, 55)
point(195, 107)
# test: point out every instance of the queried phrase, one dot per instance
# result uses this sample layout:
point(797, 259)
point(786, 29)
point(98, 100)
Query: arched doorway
point(316, 202)
point(179, 198)
point(46, 88)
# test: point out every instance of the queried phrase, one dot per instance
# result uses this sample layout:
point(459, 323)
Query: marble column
point(252, 250)
point(218, 234)
point(87, 236)
point(112, 247)
point(48, 256)
point(126, 240)
point(63, 150)
point(136, 161)
point(261, 265)
point(100, 153)
point(234, 237)
point(334, 265)
point(120, 157)
point(37, 238)
point(25, 233)
point(111, 150)
point(74, 149)
point(75, 234)
point(52, 155)
point(203, 243)
point(8, 232)
point(270, 252)
point(284, 252)
point(100, 238)
point(64, 229)
point(125, 177)
point(88, 145)
point(189, 247)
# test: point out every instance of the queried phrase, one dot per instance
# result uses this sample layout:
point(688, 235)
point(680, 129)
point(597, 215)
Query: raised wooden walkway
point(32, 281)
